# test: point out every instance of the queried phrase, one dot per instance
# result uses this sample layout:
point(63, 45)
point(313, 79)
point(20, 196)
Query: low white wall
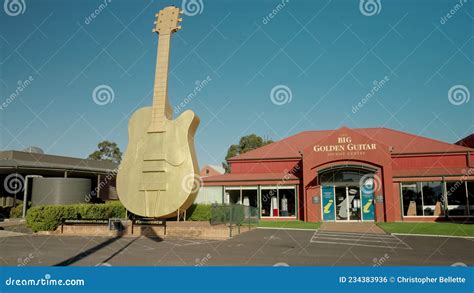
point(209, 194)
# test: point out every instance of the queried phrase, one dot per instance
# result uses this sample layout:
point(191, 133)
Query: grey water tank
point(59, 190)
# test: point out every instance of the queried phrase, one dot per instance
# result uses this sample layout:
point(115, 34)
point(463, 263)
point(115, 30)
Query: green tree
point(107, 151)
point(246, 143)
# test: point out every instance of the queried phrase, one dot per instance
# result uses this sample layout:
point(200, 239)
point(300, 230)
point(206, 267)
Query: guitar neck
point(161, 109)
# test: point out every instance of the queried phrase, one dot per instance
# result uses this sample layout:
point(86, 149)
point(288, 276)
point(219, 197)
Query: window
point(432, 198)
point(470, 192)
point(245, 195)
point(346, 175)
point(268, 194)
point(234, 196)
point(457, 198)
point(412, 201)
point(278, 201)
point(249, 196)
point(287, 201)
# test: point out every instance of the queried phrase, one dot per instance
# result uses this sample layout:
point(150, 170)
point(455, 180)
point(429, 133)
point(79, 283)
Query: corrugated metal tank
point(59, 190)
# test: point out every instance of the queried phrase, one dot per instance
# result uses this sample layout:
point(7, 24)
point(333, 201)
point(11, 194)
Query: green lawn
point(451, 229)
point(289, 224)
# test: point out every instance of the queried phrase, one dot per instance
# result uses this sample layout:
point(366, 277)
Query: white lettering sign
point(344, 143)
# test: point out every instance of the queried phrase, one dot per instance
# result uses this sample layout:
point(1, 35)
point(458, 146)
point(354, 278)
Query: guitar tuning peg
point(179, 27)
point(156, 14)
point(180, 19)
point(154, 22)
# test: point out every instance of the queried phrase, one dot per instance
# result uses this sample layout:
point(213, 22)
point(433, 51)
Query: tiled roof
point(18, 159)
point(401, 142)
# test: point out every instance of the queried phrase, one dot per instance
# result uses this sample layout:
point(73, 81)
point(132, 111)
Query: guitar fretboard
point(161, 109)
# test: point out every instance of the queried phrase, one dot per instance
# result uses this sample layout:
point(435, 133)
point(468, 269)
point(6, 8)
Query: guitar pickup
point(154, 166)
point(154, 156)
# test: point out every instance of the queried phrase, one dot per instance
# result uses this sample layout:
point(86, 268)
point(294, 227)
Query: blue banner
point(328, 203)
point(367, 194)
point(237, 279)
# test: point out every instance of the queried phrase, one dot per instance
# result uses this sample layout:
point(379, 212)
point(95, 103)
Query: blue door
point(327, 195)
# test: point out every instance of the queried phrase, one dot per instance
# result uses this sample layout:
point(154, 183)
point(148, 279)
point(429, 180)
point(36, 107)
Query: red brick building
point(367, 174)
point(211, 170)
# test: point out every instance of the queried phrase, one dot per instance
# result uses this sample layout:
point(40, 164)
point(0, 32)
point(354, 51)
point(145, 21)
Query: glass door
point(353, 195)
point(341, 203)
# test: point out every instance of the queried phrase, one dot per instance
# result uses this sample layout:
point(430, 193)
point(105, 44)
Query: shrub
point(199, 212)
point(49, 217)
point(17, 211)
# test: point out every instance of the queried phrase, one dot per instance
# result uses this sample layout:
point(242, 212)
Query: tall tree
point(107, 151)
point(246, 143)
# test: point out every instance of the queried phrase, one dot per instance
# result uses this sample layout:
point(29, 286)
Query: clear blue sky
point(328, 53)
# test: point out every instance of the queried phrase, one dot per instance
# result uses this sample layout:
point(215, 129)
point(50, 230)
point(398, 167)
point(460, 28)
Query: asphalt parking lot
point(260, 247)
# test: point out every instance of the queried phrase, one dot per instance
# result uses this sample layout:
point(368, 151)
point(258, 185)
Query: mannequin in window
point(284, 207)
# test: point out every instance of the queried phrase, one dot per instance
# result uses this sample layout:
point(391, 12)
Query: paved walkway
point(259, 247)
point(12, 222)
point(356, 227)
point(4, 233)
point(359, 239)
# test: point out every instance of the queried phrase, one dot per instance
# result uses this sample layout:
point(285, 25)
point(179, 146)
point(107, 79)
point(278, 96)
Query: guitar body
point(159, 172)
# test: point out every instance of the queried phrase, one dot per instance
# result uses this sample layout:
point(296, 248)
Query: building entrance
point(347, 201)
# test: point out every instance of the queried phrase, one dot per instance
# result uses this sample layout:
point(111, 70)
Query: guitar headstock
point(167, 20)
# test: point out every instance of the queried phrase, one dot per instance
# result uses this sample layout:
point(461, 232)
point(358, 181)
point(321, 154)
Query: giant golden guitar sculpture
point(158, 176)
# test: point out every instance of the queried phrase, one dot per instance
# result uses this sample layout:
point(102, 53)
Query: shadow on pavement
point(152, 236)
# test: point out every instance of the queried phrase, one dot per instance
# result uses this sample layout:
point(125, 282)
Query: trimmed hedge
point(17, 211)
point(199, 212)
point(49, 217)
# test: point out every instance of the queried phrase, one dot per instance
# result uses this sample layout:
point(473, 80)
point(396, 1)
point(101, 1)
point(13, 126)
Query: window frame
point(444, 184)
